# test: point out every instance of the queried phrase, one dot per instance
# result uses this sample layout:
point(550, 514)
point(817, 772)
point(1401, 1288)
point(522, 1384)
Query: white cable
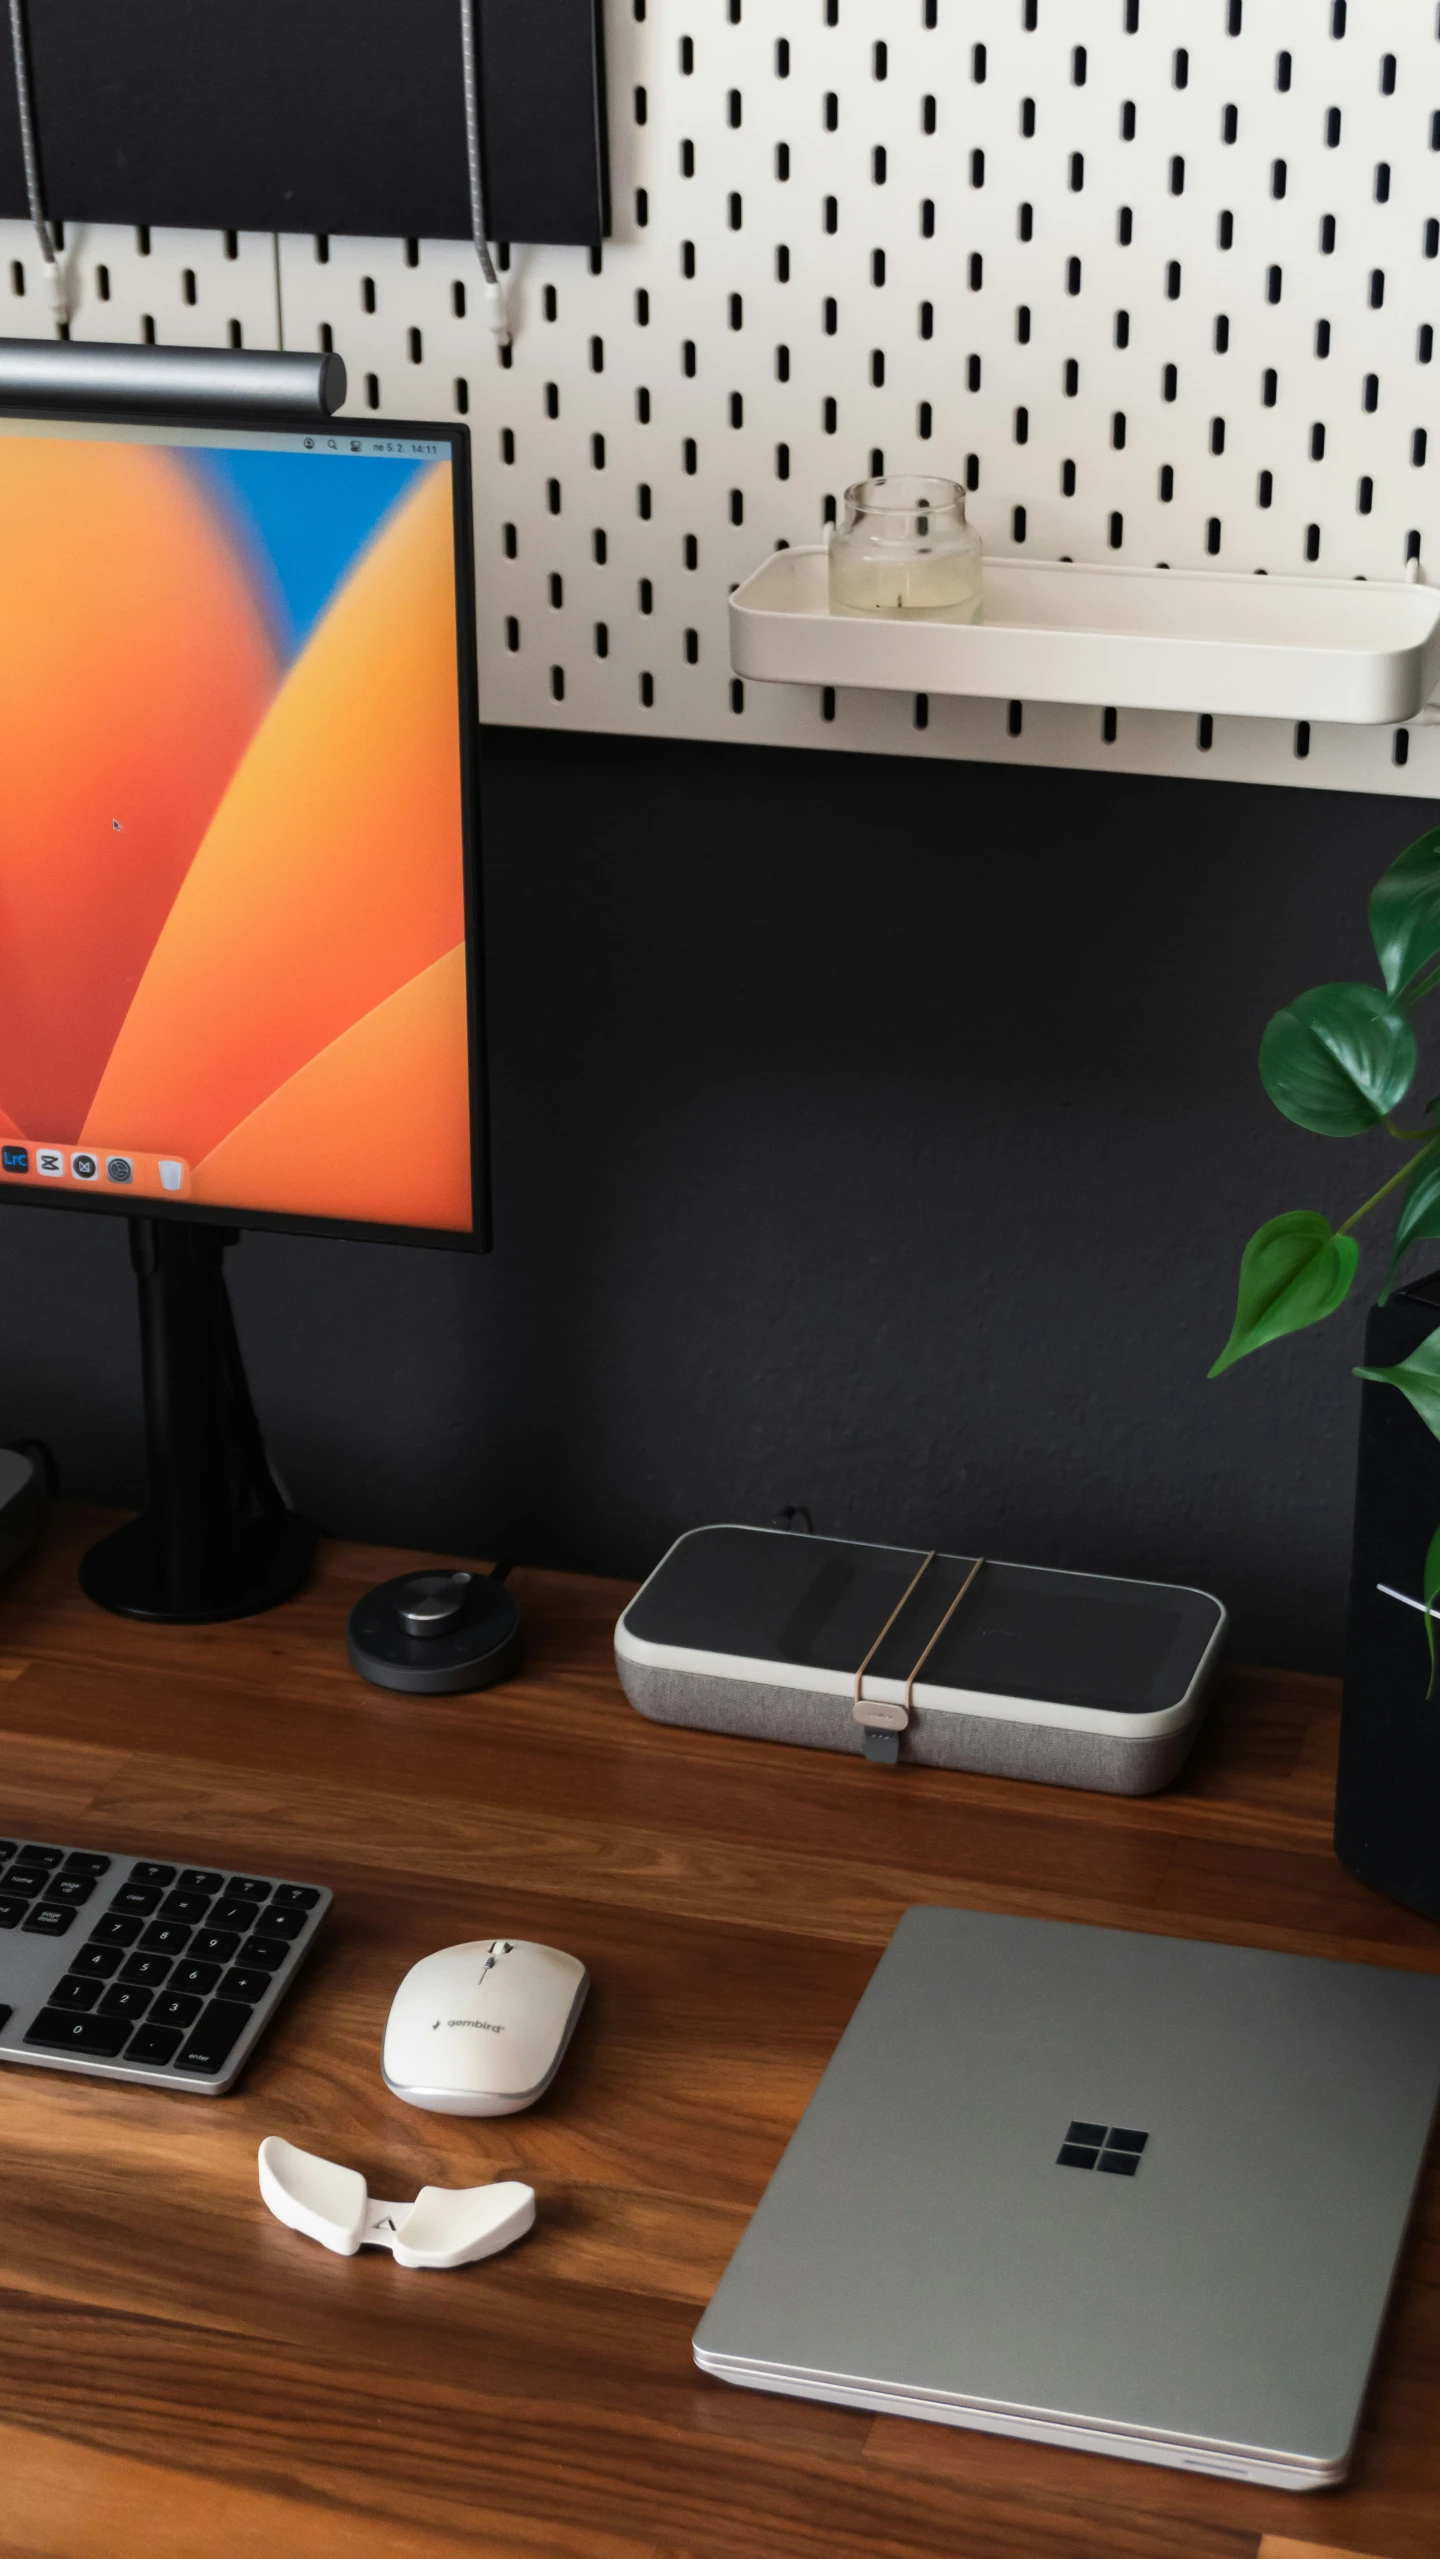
point(59, 296)
point(496, 312)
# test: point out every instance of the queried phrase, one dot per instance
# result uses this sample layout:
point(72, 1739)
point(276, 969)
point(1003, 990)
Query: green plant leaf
point(1337, 1059)
point(1432, 1591)
point(1419, 1216)
point(1418, 1377)
point(1293, 1272)
point(1405, 911)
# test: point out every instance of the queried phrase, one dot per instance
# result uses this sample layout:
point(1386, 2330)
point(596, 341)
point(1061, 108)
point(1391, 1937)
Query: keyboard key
point(282, 1923)
point(294, 1897)
point(11, 1913)
point(199, 1879)
point(74, 1890)
point(148, 1970)
point(46, 1857)
point(214, 2039)
point(216, 1945)
point(60, 2030)
point(234, 1914)
point(81, 1862)
point(111, 1931)
point(141, 1898)
point(145, 1872)
point(100, 1960)
point(248, 1986)
point(125, 1999)
point(268, 1952)
point(75, 1993)
point(7, 1849)
point(157, 2044)
point(28, 1880)
point(176, 2008)
point(44, 1922)
point(188, 1907)
point(201, 1977)
point(163, 1937)
point(247, 1888)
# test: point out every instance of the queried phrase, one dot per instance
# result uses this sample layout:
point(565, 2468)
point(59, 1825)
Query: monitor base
point(271, 1561)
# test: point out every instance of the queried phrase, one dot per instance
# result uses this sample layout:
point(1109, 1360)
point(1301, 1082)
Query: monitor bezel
point(477, 1238)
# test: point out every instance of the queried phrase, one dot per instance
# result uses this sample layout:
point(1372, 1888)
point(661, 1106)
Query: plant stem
point(1407, 1136)
point(1386, 1187)
point(1412, 994)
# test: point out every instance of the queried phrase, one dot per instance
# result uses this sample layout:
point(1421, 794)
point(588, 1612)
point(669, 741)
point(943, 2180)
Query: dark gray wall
point(873, 1134)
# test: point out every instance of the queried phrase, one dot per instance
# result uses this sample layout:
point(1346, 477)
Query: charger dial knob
point(432, 1603)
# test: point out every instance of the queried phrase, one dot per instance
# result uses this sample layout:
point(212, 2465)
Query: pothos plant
point(1341, 1061)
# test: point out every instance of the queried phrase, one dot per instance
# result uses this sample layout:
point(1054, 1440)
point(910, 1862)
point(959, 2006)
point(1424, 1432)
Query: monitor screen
point(236, 728)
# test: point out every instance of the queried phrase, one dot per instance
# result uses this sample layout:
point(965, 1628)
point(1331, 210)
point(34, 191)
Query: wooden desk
point(180, 2378)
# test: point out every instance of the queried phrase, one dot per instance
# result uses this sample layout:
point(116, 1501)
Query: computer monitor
point(239, 945)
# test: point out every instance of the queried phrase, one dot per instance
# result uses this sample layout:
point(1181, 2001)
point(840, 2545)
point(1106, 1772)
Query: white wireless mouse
point(482, 2029)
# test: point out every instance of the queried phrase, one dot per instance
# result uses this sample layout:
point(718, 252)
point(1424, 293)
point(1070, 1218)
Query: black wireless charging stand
point(436, 1634)
point(218, 1538)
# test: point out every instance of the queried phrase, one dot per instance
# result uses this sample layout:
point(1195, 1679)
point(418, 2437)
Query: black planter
point(1387, 1802)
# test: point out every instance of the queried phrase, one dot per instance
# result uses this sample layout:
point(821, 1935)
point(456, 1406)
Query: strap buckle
point(881, 1722)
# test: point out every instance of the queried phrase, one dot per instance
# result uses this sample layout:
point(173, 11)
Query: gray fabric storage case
point(1076, 1679)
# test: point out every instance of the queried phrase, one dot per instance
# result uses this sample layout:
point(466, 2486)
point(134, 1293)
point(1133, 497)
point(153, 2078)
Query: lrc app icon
point(15, 1159)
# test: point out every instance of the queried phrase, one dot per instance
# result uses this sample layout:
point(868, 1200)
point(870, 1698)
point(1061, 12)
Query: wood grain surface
point(180, 2378)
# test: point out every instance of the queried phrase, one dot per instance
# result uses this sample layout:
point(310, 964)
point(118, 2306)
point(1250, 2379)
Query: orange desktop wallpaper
point(232, 960)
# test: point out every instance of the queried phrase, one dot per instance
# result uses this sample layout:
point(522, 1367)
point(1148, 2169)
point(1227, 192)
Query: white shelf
point(1291, 648)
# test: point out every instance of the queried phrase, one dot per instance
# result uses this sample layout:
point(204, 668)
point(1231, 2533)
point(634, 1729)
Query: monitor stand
point(219, 1538)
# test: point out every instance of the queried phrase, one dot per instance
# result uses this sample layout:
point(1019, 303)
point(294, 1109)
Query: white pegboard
point(846, 136)
point(177, 288)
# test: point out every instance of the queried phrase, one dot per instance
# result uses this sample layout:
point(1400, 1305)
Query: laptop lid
point(1092, 2186)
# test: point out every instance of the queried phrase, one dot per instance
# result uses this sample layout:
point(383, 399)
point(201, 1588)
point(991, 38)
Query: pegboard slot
point(1152, 639)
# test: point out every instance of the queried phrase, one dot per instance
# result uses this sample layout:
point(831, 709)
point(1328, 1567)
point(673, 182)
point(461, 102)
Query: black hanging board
point(313, 115)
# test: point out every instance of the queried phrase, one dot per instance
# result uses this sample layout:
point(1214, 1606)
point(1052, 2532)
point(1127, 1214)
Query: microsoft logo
point(1108, 2147)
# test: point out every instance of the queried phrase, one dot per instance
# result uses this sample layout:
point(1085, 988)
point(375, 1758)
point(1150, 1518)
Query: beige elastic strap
point(890, 1718)
point(939, 1631)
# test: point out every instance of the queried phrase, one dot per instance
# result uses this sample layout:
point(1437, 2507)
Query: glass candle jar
point(905, 550)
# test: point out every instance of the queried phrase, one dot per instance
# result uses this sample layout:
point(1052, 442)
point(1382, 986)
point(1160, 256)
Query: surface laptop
point(1127, 2193)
